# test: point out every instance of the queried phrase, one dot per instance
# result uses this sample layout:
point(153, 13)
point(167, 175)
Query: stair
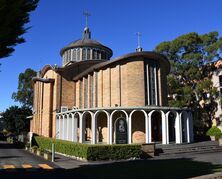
point(198, 147)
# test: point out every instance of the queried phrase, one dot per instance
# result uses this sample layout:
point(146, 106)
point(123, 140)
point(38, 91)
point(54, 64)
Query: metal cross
point(86, 14)
point(138, 38)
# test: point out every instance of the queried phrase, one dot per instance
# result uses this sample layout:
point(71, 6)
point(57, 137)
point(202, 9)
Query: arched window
point(78, 54)
point(94, 54)
point(151, 83)
point(74, 54)
point(88, 54)
point(84, 54)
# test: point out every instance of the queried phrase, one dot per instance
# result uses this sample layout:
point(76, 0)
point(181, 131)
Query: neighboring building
point(217, 82)
point(97, 100)
point(1, 122)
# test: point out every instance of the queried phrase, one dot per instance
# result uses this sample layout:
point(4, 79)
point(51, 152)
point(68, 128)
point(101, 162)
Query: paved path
point(214, 158)
point(69, 163)
point(14, 158)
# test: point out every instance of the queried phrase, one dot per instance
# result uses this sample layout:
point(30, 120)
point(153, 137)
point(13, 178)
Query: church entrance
point(156, 127)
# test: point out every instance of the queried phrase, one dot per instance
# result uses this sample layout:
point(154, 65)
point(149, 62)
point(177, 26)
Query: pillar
point(178, 129)
point(75, 129)
point(64, 128)
point(81, 128)
point(93, 127)
point(61, 127)
point(167, 127)
point(111, 130)
point(189, 127)
point(130, 129)
point(72, 128)
point(149, 127)
point(164, 128)
point(147, 121)
point(108, 127)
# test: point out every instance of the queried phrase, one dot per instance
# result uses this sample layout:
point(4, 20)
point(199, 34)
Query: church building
point(93, 99)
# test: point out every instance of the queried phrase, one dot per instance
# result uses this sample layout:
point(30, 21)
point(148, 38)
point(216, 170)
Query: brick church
point(93, 99)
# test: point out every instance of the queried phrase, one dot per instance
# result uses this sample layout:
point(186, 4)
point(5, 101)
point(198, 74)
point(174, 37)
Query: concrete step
point(201, 147)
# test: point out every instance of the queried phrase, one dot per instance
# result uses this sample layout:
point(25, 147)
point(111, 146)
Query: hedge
point(214, 131)
point(89, 151)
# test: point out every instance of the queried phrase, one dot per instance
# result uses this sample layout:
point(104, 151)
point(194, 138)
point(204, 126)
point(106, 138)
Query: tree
point(189, 85)
point(15, 119)
point(13, 16)
point(24, 95)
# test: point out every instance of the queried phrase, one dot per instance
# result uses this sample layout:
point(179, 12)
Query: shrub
point(90, 152)
point(214, 131)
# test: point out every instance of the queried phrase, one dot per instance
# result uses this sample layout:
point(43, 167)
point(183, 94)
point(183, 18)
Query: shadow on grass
point(171, 168)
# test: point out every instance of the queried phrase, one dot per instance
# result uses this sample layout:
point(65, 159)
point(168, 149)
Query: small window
point(74, 55)
point(83, 54)
point(94, 54)
point(78, 54)
point(220, 80)
point(88, 54)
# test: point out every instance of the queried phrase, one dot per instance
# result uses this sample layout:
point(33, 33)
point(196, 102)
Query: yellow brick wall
point(135, 83)
point(106, 87)
point(115, 86)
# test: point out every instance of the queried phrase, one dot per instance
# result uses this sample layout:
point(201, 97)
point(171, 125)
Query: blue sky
point(55, 23)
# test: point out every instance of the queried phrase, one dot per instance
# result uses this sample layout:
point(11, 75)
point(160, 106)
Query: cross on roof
point(86, 14)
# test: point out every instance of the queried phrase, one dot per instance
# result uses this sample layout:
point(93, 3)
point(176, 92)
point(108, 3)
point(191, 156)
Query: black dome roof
point(86, 43)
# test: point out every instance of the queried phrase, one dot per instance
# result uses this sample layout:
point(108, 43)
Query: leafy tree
point(189, 85)
point(14, 14)
point(15, 119)
point(24, 95)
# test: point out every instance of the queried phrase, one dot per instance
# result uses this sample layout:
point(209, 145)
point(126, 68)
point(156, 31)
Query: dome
point(86, 43)
point(85, 49)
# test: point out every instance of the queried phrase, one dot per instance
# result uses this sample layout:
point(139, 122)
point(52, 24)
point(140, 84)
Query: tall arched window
point(151, 83)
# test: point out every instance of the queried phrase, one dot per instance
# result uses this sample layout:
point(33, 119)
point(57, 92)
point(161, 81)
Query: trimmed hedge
point(89, 151)
point(214, 131)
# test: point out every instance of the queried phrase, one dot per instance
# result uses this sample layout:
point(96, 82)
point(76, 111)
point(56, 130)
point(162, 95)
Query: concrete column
point(178, 129)
point(57, 127)
point(191, 126)
point(164, 126)
point(75, 129)
point(185, 125)
point(149, 126)
point(130, 129)
point(64, 128)
point(60, 127)
point(93, 127)
point(111, 130)
point(167, 127)
point(187, 129)
point(67, 127)
point(108, 127)
point(72, 128)
point(82, 127)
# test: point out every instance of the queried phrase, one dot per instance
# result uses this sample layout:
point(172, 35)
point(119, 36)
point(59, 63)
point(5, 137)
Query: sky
point(114, 23)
